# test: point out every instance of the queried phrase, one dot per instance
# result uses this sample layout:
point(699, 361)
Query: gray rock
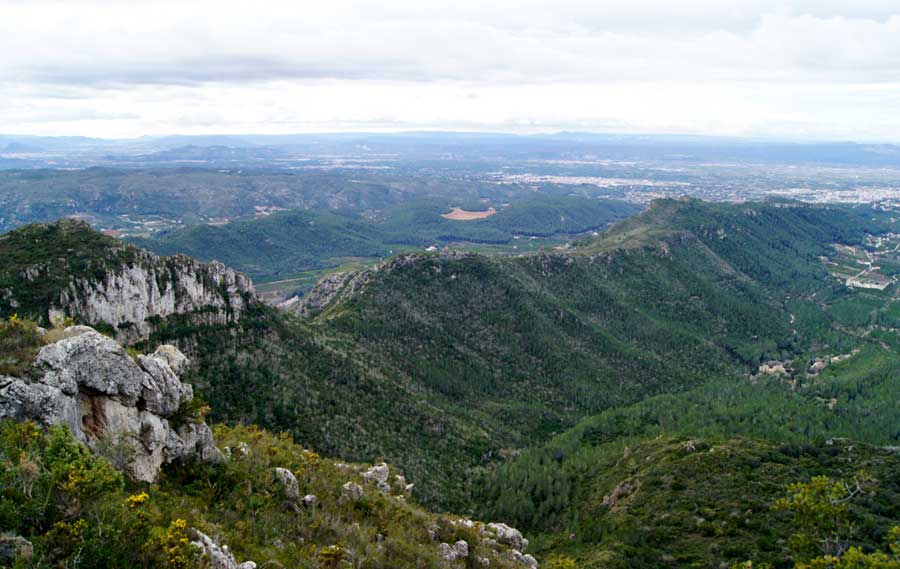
point(309, 501)
point(92, 362)
point(378, 475)
point(172, 356)
point(508, 535)
point(290, 488)
point(128, 297)
point(114, 405)
point(459, 550)
point(523, 559)
point(216, 556)
point(446, 552)
point(352, 491)
point(15, 548)
point(402, 486)
point(161, 390)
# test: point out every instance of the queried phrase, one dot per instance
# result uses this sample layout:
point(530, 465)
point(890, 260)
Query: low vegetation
point(77, 510)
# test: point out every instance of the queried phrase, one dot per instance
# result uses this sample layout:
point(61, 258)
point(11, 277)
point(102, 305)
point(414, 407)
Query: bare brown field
point(459, 214)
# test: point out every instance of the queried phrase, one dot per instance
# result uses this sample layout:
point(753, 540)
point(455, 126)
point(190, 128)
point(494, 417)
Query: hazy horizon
point(632, 136)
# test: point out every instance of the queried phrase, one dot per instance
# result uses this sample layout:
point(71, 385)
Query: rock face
point(331, 288)
point(128, 298)
point(124, 409)
point(65, 268)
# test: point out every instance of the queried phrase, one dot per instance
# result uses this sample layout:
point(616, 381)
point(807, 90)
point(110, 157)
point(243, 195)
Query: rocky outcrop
point(352, 491)
point(523, 559)
point(290, 488)
point(508, 536)
point(129, 298)
point(378, 476)
point(502, 539)
point(216, 556)
point(329, 290)
point(459, 550)
point(129, 410)
point(66, 269)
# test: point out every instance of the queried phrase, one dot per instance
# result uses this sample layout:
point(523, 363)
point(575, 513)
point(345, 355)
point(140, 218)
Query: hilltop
point(66, 269)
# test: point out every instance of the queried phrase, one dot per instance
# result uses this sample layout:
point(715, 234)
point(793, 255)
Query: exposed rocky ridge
point(337, 288)
point(126, 409)
point(127, 298)
point(101, 281)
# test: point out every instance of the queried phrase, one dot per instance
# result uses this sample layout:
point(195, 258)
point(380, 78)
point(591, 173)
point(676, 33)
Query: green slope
point(286, 243)
point(78, 511)
point(684, 502)
point(281, 244)
point(445, 363)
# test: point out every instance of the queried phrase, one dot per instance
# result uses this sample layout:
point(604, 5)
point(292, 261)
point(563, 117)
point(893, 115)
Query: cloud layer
point(799, 68)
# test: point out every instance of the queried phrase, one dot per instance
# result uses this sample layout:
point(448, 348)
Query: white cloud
point(813, 68)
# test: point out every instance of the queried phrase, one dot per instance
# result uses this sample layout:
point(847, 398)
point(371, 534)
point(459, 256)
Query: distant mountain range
point(84, 152)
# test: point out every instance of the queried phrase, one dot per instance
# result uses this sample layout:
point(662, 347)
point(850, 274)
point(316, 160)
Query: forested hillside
point(509, 385)
point(688, 502)
point(501, 353)
point(289, 242)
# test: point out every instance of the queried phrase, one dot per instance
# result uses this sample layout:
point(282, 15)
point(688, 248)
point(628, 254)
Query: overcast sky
point(820, 69)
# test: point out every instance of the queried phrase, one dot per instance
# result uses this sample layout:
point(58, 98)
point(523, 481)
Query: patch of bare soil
point(459, 214)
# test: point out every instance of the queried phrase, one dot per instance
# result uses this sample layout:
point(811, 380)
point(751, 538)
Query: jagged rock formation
point(99, 280)
point(128, 410)
point(331, 288)
point(127, 298)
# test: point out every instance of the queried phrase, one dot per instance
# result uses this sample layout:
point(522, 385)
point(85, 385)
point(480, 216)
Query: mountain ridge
point(65, 269)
